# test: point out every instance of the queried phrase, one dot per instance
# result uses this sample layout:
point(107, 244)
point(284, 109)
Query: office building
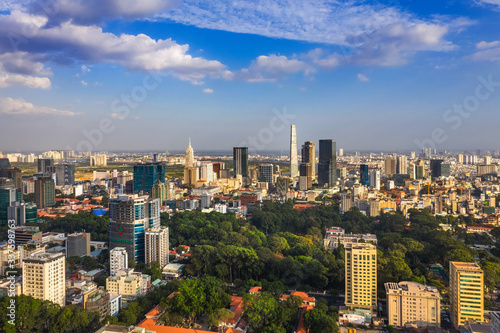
point(45, 192)
point(15, 174)
point(99, 160)
point(266, 173)
point(413, 303)
point(305, 179)
point(327, 167)
point(189, 156)
point(157, 246)
point(375, 179)
point(364, 178)
point(9, 258)
point(65, 173)
point(146, 175)
point(44, 277)
point(402, 165)
point(191, 175)
point(118, 260)
point(128, 284)
point(160, 191)
point(308, 165)
point(9, 196)
point(485, 169)
point(341, 152)
point(294, 162)
point(361, 277)
point(129, 217)
point(78, 244)
point(466, 292)
point(96, 299)
point(240, 160)
point(391, 163)
point(439, 169)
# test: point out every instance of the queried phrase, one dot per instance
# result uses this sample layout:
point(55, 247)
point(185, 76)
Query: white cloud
point(272, 67)
point(72, 42)
point(23, 69)
point(8, 80)
point(95, 11)
point(489, 2)
point(208, 91)
point(84, 83)
point(491, 54)
point(20, 107)
point(85, 69)
point(487, 45)
point(363, 78)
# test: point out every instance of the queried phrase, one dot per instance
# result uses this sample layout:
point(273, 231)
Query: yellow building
point(413, 303)
point(44, 277)
point(466, 292)
point(160, 191)
point(361, 276)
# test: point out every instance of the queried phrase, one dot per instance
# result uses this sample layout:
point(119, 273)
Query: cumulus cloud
point(208, 91)
point(23, 69)
point(69, 42)
point(363, 78)
point(20, 107)
point(490, 53)
point(95, 11)
point(84, 83)
point(487, 45)
point(272, 67)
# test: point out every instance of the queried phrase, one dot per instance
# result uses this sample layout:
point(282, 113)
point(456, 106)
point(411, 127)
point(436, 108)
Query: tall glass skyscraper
point(240, 159)
point(327, 166)
point(364, 175)
point(146, 175)
point(129, 218)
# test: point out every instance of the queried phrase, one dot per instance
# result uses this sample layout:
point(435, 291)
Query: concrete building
point(240, 160)
point(327, 166)
point(266, 173)
point(129, 217)
point(413, 303)
point(336, 236)
point(375, 179)
point(45, 192)
point(495, 321)
point(157, 246)
point(294, 162)
point(65, 173)
point(466, 292)
point(127, 283)
point(99, 160)
point(78, 244)
point(118, 260)
point(44, 277)
point(361, 277)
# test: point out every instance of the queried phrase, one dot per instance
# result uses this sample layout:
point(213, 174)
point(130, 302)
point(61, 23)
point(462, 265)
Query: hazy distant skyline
point(372, 75)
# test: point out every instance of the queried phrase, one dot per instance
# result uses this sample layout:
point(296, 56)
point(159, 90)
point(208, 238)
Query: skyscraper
point(466, 292)
point(364, 175)
point(309, 156)
point(391, 166)
point(189, 157)
point(375, 179)
point(129, 217)
point(361, 276)
point(266, 173)
point(157, 245)
point(44, 277)
point(43, 163)
point(240, 160)
point(45, 192)
point(146, 175)
point(65, 173)
point(402, 166)
point(327, 167)
point(294, 162)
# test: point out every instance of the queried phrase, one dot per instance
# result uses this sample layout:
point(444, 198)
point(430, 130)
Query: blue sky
point(371, 75)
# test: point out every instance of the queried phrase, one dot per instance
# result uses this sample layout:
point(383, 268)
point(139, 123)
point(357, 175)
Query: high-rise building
point(375, 179)
point(207, 171)
point(45, 192)
point(9, 198)
point(266, 173)
point(402, 165)
point(308, 165)
point(439, 169)
point(127, 283)
point(15, 174)
point(364, 175)
point(240, 160)
point(160, 191)
point(78, 244)
point(294, 162)
point(99, 160)
point(460, 158)
point(327, 167)
point(129, 217)
point(306, 179)
point(391, 163)
point(44, 277)
point(118, 260)
point(65, 173)
point(191, 175)
point(466, 292)
point(361, 276)
point(341, 152)
point(146, 175)
point(96, 299)
point(189, 157)
point(413, 303)
point(157, 246)
point(43, 163)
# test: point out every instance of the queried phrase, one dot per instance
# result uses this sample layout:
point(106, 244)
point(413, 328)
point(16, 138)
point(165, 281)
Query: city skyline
point(147, 77)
